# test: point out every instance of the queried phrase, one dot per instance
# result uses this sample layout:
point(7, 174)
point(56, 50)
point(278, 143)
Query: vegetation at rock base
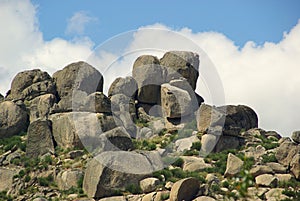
point(49, 161)
point(14, 142)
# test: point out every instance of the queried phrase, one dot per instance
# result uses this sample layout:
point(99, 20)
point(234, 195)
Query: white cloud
point(265, 77)
point(78, 22)
point(23, 47)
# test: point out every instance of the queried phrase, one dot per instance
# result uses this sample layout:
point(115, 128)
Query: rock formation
point(151, 137)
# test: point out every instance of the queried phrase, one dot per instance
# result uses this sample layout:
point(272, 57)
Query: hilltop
point(152, 137)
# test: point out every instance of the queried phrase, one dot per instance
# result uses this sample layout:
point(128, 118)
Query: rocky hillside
point(151, 138)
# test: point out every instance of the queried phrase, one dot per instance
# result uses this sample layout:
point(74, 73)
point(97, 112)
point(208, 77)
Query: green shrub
point(167, 174)
point(191, 152)
point(196, 145)
point(294, 194)
point(134, 189)
point(177, 174)
point(16, 161)
point(5, 197)
point(248, 163)
point(80, 182)
point(27, 178)
point(45, 181)
point(292, 183)
point(267, 158)
point(165, 196)
point(245, 181)
point(9, 143)
point(141, 123)
point(144, 145)
point(179, 162)
point(267, 143)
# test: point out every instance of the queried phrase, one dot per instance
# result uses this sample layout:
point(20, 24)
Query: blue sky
point(241, 21)
point(253, 46)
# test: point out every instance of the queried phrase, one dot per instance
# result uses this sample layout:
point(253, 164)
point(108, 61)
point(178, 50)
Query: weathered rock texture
point(110, 171)
point(40, 139)
point(13, 119)
point(73, 82)
point(29, 84)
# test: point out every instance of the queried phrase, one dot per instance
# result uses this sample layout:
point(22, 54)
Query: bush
point(196, 145)
point(269, 158)
point(5, 197)
point(141, 123)
point(9, 143)
point(191, 152)
point(27, 178)
point(268, 143)
point(134, 189)
point(165, 196)
point(45, 181)
point(179, 162)
point(144, 145)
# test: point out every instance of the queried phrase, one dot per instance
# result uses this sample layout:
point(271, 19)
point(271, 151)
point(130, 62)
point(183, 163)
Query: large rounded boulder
point(29, 84)
point(13, 119)
point(74, 82)
point(181, 64)
point(149, 76)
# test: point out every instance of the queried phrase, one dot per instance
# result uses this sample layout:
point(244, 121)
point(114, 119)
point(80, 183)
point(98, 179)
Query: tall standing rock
point(29, 84)
point(74, 81)
point(234, 165)
point(181, 63)
point(13, 119)
point(149, 76)
point(39, 140)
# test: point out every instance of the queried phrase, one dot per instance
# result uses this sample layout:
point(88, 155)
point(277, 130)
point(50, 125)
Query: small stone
point(73, 196)
point(192, 164)
point(169, 185)
point(204, 198)
point(260, 169)
point(39, 199)
point(277, 168)
point(234, 165)
point(210, 178)
point(149, 184)
point(275, 194)
point(266, 180)
point(283, 177)
point(75, 154)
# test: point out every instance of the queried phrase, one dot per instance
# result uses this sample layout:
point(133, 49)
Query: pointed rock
point(234, 165)
point(39, 139)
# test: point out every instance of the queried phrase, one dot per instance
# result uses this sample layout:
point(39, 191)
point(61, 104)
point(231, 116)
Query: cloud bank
point(78, 22)
point(265, 77)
